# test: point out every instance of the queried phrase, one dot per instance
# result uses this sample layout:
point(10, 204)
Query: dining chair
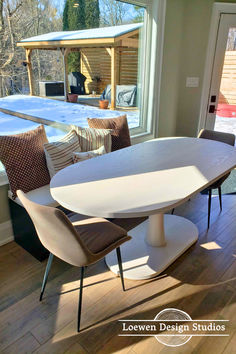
point(222, 137)
point(77, 242)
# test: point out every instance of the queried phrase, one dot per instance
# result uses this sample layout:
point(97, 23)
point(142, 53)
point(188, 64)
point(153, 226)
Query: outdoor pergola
point(110, 38)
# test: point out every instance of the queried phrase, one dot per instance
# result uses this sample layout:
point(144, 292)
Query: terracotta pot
point(72, 97)
point(103, 104)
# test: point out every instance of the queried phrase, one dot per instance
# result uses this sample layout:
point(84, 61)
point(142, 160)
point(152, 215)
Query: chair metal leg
point(120, 267)
point(220, 197)
point(172, 211)
point(45, 278)
point(80, 297)
point(209, 208)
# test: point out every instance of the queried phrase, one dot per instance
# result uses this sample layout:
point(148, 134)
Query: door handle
point(212, 108)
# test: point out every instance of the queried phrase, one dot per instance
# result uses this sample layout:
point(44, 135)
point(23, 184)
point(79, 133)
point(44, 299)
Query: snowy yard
point(62, 112)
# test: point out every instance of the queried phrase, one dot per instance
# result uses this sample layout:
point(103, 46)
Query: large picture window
point(113, 51)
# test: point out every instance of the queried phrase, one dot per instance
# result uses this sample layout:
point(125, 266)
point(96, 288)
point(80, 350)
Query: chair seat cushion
point(97, 233)
point(40, 195)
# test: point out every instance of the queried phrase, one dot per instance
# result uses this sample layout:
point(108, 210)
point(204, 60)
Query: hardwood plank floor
point(202, 282)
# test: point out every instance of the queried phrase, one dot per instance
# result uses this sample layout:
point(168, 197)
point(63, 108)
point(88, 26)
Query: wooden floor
point(201, 282)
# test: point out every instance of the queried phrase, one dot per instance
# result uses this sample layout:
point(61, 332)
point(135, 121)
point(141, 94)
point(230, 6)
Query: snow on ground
point(227, 125)
point(62, 112)
point(10, 125)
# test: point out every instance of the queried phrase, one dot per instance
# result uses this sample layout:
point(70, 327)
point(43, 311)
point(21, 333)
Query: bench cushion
point(40, 195)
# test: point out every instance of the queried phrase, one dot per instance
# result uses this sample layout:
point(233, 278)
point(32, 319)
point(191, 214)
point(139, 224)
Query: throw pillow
point(81, 156)
point(24, 160)
point(59, 154)
point(120, 130)
point(92, 139)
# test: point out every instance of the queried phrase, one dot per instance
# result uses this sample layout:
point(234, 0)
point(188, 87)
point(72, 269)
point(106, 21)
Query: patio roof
point(94, 37)
point(110, 38)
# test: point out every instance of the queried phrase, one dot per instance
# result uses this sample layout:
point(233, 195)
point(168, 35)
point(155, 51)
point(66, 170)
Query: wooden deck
point(202, 282)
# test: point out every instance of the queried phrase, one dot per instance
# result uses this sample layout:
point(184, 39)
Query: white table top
point(144, 179)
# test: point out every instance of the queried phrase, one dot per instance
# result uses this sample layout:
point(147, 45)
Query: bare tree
point(21, 19)
point(113, 12)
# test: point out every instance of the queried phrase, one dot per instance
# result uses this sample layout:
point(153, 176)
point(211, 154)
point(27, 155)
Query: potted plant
point(103, 104)
point(72, 97)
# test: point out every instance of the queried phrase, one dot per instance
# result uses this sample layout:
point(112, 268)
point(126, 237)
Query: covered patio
point(104, 52)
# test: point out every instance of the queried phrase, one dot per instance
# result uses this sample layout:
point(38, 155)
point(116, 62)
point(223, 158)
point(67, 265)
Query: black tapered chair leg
point(172, 211)
point(45, 278)
point(120, 267)
point(209, 208)
point(80, 296)
point(220, 197)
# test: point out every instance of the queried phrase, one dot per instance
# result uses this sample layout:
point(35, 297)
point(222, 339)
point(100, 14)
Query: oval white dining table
point(146, 179)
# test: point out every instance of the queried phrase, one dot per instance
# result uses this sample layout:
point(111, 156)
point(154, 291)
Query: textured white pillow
point(92, 139)
point(59, 154)
point(81, 156)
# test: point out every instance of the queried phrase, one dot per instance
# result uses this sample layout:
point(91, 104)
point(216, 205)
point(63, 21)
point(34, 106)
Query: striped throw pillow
point(93, 139)
point(59, 154)
point(81, 156)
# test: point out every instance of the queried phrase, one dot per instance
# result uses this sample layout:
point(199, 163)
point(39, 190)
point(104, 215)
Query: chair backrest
point(226, 138)
point(57, 233)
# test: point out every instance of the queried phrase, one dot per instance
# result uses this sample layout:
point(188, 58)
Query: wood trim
point(6, 232)
point(133, 43)
point(77, 42)
point(65, 52)
point(108, 51)
point(30, 71)
point(127, 35)
point(113, 78)
point(68, 43)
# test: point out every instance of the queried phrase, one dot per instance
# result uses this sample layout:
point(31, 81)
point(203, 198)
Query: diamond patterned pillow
point(23, 158)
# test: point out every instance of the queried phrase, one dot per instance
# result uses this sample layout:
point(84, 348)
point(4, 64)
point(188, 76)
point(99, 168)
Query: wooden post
point(30, 71)
point(65, 52)
point(113, 78)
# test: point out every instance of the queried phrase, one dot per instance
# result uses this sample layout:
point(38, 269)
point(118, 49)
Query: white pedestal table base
point(142, 261)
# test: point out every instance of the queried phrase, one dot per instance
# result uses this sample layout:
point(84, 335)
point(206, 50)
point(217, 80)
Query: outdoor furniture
point(146, 179)
point(125, 95)
point(76, 82)
point(51, 88)
point(226, 138)
point(77, 242)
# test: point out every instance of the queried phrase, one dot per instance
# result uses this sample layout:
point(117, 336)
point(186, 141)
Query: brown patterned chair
point(77, 242)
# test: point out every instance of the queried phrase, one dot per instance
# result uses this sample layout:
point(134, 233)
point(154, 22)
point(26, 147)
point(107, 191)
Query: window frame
point(154, 41)
point(151, 76)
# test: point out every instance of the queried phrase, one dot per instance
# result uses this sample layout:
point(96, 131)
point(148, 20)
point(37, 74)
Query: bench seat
point(23, 228)
point(40, 195)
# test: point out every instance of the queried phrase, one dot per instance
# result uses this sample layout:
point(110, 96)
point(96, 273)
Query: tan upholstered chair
point(80, 243)
point(226, 138)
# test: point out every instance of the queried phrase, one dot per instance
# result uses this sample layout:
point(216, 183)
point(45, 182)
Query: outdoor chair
point(226, 138)
point(77, 242)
